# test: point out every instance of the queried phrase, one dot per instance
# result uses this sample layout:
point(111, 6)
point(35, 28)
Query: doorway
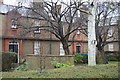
point(78, 48)
point(13, 47)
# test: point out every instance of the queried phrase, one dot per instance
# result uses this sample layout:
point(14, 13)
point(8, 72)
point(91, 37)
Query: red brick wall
point(5, 45)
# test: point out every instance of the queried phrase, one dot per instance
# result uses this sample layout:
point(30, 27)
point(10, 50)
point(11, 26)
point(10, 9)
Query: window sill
point(14, 28)
point(36, 32)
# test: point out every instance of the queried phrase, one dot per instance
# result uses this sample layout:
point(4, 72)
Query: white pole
point(91, 34)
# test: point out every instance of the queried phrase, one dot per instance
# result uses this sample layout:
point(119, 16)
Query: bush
point(23, 67)
point(60, 65)
point(99, 59)
point(109, 56)
point(80, 58)
point(112, 53)
point(112, 58)
point(7, 59)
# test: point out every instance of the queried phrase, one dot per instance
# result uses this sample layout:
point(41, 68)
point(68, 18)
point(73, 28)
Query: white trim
point(110, 47)
point(14, 26)
point(37, 24)
point(110, 32)
point(36, 47)
point(37, 31)
point(78, 31)
point(18, 54)
point(62, 52)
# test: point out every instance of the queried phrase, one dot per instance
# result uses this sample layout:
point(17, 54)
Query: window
point(61, 50)
point(110, 47)
point(78, 13)
point(110, 32)
point(114, 20)
point(78, 48)
point(14, 22)
point(14, 26)
point(37, 30)
point(78, 31)
point(37, 23)
point(13, 46)
point(37, 27)
point(36, 48)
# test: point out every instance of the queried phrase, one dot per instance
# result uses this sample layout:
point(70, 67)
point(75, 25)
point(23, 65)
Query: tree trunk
point(65, 47)
point(92, 35)
point(103, 56)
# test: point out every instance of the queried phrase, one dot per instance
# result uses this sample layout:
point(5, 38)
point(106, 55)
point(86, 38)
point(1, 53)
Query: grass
point(99, 71)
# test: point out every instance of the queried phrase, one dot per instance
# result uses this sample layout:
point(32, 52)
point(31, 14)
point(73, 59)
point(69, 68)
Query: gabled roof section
point(4, 9)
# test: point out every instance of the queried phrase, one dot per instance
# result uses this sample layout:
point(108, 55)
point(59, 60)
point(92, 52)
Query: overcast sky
point(15, 2)
point(26, 2)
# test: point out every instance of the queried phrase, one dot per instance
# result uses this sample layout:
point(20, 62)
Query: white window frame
point(78, 13)
point(36, 48)
point(110, 32)
point(110, 47)
point(78, 31)
point(37, 31)
point(13, 24)
point(62, 52)
point(37, 24)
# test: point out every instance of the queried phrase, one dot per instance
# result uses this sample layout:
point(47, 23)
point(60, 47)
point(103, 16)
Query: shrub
point(23, 67)
point(7, 59)
point(60, 65)
point(112, 53)
point(99, 59)
point(79, 58)
point(112, 58)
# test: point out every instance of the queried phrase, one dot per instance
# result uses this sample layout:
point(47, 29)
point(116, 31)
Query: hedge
point(83, 59)
point(7, 59)
point(80, 59)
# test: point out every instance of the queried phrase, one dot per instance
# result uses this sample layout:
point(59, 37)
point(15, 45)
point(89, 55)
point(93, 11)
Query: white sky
point(26, 2)
point(11, 2)
point(15, 2)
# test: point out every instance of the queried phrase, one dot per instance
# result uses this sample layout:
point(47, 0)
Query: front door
point(13, 47)
point(78, 48)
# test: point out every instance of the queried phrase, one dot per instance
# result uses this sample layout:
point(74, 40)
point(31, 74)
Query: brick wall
point(27, 47)
point(1, 1)
point(35, 61)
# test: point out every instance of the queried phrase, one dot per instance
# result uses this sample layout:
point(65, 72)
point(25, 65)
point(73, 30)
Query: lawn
point(99, 71)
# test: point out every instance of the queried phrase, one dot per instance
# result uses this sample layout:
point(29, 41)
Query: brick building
point(37, 42)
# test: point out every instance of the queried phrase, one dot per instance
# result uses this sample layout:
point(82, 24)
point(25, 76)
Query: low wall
point(35, 61)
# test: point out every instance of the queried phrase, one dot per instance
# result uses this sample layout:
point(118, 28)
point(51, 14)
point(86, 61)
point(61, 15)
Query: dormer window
point(14, 22)
point(110, 32)
point(37, 26)
point(37, 30)
point(37, 23)
point(14, 26)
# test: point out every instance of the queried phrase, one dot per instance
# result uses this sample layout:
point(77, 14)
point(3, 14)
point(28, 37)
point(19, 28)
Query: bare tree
point(106, 17)
point(56, 15)
point(105, 27)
